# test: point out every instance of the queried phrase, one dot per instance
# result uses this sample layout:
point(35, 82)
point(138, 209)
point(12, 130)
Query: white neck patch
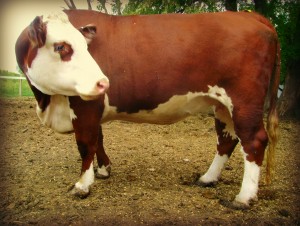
point(58, 115)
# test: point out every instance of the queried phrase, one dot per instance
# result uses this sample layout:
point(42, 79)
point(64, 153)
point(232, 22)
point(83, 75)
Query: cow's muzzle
point(99, 89)
point(102, 87)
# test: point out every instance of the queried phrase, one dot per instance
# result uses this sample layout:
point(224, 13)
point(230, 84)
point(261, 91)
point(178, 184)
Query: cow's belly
point(175, 109)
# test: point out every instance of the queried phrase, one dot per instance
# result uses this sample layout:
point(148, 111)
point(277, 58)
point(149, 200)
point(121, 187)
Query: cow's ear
point(89, 31)
point(37, 32)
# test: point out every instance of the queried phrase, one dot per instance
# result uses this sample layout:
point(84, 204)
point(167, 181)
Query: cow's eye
point(59, 48)
point(64, 50)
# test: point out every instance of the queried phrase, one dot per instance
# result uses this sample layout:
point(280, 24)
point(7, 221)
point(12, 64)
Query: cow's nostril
point(102, 86)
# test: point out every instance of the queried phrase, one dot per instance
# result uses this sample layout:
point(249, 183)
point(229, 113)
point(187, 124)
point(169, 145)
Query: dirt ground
point(152, 174)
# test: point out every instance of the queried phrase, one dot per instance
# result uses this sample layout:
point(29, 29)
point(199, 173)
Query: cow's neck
point(42, 99)
point(55, 112)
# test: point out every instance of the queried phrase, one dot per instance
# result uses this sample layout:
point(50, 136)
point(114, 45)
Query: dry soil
point(152, 175)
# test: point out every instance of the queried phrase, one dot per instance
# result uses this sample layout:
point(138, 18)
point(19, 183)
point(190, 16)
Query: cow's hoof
point(80, 193)
point(205, 185)
point(234, 205)
point(103, 172)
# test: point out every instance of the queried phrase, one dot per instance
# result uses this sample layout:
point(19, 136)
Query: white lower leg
point(215, 169)
point(86, 179)
point(103, 171)
point(250, 182)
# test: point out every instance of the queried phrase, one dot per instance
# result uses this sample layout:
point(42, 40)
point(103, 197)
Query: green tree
point(261, 7)
point(171, 6)
point(285, 15)
point(116, 6)
point(231, 5)
point(288, 28)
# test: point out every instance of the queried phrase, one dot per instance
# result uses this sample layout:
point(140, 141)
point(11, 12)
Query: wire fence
point(9, 85)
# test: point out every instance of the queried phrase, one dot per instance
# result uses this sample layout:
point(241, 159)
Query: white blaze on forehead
point(59, 29)
point(77, 76)
point(61, 16)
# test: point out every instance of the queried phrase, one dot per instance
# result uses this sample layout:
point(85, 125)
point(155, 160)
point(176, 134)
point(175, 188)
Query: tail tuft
point(272, 128)
point(272, 121)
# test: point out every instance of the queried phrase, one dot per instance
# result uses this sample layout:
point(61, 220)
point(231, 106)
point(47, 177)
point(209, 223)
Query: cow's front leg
point(86, 126)
point(82, 187)
point(104, 166)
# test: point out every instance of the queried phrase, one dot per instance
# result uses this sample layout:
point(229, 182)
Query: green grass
point(10, 88)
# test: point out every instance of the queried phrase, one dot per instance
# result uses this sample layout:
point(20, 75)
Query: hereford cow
point(86, 68)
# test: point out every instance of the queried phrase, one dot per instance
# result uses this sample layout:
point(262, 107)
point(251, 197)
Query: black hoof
point(205, 185)
point(100, 176)
point(79, 193)
point(104, 174)
point(235, 205)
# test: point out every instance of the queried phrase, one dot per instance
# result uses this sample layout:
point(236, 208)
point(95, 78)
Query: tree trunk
point(70, 4)
point(89, 4)
point(289, 102)
point(102, 3)
point(261, 7)
point(231, 5)
point(118, 5)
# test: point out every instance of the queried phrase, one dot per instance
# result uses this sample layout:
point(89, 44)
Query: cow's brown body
point(151, 59)
point(148, 59)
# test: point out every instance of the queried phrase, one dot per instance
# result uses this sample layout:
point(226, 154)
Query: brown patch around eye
point(64, 49)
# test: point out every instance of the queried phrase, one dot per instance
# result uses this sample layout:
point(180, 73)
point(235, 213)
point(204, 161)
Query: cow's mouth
point(89, 97)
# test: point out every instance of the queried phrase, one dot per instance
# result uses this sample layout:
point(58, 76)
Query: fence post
point(20, 77)
point(20, 86)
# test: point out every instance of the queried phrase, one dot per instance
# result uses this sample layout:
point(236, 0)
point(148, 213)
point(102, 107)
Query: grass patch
point(10, 88)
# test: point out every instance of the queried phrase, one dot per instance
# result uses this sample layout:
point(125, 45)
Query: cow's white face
point(62, 64)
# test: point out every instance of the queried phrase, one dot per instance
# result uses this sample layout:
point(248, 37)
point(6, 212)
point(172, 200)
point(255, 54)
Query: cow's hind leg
point(250, 130)
point(226, 144)
point(254, 140)
point(104, 166)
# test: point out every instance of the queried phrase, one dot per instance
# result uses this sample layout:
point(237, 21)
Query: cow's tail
point(272, 118)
